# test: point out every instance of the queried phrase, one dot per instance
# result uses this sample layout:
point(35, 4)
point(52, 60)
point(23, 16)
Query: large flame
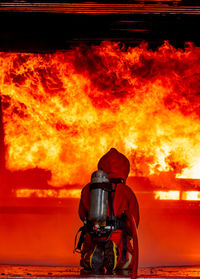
point(63, 111)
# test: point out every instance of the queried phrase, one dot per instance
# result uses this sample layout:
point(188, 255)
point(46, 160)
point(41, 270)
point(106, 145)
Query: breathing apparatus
point(101, 198)
point(99, 224)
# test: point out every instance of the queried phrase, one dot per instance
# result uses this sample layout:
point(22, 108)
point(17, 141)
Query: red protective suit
point(116, 165)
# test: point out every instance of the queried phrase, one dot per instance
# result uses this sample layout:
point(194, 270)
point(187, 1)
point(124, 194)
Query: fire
point(75, 193)
point(62, 111)
point(48, 193)
point(191, 196)
point(168, 195)
point(177, 195)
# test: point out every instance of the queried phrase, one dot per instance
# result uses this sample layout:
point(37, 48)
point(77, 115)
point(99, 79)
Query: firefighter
point(109, 210)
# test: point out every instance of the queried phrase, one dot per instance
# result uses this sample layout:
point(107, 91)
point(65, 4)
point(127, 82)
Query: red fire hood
point(115, 164)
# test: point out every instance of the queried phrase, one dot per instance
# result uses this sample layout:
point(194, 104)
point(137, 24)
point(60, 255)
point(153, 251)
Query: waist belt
point(114, 222)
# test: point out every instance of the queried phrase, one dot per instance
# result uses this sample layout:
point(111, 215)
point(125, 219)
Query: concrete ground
point(19, 271)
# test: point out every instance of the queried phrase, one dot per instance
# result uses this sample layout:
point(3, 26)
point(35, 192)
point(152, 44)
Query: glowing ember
point(63, 111)
point(167, 195)
point(46, 193)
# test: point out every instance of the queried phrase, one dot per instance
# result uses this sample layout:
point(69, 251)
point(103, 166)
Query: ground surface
point(61, 271)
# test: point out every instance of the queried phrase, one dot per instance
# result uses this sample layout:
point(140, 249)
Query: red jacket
point(116, 165)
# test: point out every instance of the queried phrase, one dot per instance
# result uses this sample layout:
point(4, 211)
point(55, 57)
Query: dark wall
point(59, 28)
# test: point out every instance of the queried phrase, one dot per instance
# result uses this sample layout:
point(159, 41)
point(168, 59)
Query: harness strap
point(111, 196)
point(83, 230)
point(110, 203)
point(124, 237)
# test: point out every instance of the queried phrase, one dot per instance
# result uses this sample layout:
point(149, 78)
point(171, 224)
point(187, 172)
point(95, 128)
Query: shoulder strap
point(111, 195)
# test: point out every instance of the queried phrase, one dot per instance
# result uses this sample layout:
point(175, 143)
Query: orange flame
point(191, 196)
point(177, 195)
point(76, 193)
point(48, 193)
point(167, 195)
point(63, 111)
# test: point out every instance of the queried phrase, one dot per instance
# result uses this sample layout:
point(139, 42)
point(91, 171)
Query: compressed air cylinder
point(98, 198)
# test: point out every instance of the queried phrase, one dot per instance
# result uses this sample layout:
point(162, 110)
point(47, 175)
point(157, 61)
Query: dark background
point(34, 26)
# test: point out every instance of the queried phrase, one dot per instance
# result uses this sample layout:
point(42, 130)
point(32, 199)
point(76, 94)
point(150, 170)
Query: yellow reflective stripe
point(92, 256)
point(115, 255)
